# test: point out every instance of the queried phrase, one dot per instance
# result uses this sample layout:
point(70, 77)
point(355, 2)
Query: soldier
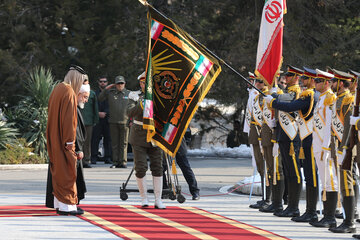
point(255, 141)
point(275, 175)
point(117, 96)
point(355, 121)
point(142, 149)
point(340, 130)
point(305, 107)
point(289, 143)
point(321, 143)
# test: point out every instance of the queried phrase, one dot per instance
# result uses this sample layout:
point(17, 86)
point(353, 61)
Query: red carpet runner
point(133, 222)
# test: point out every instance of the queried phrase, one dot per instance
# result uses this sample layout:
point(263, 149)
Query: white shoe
point(158, 184)
point(141, 182)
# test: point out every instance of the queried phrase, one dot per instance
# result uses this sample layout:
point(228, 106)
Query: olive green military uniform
point(118, 121)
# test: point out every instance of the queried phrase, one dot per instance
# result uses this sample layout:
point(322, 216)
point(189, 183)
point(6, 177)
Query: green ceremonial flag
point(179, 73)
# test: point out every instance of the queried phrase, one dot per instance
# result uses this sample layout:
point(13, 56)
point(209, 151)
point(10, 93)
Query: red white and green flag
point(270, 45)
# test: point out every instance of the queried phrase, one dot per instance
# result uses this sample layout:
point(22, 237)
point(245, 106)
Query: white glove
point(272, 123)
point(325, 154)
point(353, 120)
point(273, 90)
point(134, 95)
point(268, 98)
point(340, 157)
point(275, 150)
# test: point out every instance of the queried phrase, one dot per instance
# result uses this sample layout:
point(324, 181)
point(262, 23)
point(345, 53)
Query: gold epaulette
point(329, 99)
point(348, 99)
point(279, 91)
point(294, 88)
point(308, 92)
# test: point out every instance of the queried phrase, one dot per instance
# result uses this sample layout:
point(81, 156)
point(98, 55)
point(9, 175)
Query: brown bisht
point(179, 73)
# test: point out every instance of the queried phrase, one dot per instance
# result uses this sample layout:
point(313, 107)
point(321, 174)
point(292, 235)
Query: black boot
point(356, 193)
point(356, 236)
point(259, 204)
point(347, 225)
point(328, 221)
point(277, 192)
point(292, 210)
point(310, 214)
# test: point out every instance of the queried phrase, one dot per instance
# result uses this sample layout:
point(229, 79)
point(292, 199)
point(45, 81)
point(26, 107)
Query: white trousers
point(64, 207)
point(327, 173)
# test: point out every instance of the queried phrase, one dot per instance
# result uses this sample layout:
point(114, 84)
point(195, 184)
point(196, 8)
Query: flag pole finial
point(144, 2)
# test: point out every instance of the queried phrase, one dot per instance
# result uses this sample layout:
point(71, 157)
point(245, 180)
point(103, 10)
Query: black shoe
point(258, 204)
point(271, 208)
point(288, 212)
point(339, 214)
point(72, 213)
point(195, 196)
point(80, 210)
point(344, 228)
point(325, 222)
point(85, 165)
point(356, 236)
point(123, 165)
point(306, 217)
point(108, 161)
point(358, 220)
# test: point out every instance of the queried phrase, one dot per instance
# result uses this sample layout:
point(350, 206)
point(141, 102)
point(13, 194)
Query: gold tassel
point(324, 196)
point(301, 154)
point(292, 152)
point(173, 167)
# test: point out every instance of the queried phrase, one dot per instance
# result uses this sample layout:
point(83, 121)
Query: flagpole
point(145, 3)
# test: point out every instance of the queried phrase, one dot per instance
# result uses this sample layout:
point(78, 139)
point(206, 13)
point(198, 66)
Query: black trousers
point(100, 130)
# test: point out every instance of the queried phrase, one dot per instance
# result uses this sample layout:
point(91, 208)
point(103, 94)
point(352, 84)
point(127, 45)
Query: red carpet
point(133, 222)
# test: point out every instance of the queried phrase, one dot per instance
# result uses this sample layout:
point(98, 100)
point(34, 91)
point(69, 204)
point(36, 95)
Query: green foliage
point(30, 115)
point(18, 153)
point(7, 134)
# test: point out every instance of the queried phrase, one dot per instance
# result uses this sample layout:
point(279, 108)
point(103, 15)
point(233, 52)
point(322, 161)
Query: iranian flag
point(269, 52)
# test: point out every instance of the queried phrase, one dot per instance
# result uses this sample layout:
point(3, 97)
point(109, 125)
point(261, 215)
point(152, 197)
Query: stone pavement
point(25, 185)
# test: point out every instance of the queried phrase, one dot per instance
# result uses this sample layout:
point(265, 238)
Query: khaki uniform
point(142, 148)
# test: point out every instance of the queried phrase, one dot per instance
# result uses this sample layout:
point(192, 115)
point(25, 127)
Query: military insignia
point(166, 84)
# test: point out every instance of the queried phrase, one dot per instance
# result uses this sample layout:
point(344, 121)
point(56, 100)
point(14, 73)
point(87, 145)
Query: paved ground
point(26, 185)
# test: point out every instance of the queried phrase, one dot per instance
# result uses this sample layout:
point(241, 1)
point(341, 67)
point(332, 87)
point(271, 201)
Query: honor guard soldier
point(340, 126)
point(255, 141)
point(321, 143)
point(275, 174)
point(305, 107)
point(355, 121)
point(289, 143)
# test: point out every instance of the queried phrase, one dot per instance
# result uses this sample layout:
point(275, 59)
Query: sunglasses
point(120, 83)
point(102, 81)
point(318, 80)
point(77, 68)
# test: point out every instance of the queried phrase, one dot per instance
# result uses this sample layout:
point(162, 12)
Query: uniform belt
point(138, 122)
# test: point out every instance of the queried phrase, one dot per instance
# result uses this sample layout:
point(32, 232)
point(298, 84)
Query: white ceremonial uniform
point(321, 141)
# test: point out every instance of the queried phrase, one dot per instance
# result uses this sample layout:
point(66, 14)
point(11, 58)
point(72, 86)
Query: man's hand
point(80, 155)
point(134, 95)
point(102, 114)
point(353, 120)
point(268, 98)
point(340, 156)
point(69, 146)
point(110, 86)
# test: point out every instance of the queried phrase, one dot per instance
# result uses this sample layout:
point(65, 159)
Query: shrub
point(18, 153)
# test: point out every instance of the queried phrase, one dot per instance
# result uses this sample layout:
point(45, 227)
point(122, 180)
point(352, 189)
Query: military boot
point(328, 221)
point(277, 193)
point(310, 214)
point(347, 226)
point(292, 210)
point(356, 193)
point(260, 203)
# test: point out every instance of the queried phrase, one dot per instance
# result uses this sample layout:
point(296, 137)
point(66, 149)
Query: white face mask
point(81, 105)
